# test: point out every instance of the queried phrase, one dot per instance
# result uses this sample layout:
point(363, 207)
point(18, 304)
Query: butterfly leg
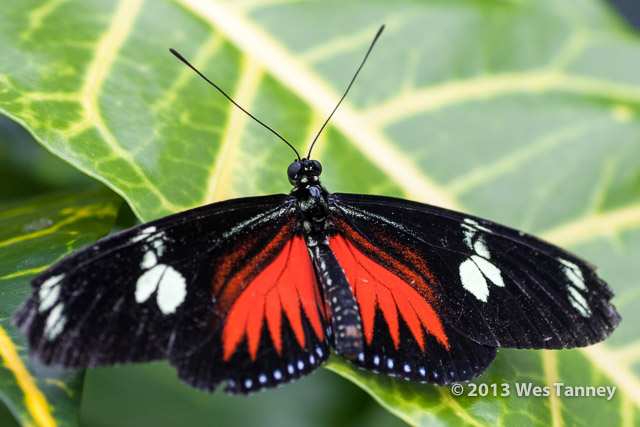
point(346, 322)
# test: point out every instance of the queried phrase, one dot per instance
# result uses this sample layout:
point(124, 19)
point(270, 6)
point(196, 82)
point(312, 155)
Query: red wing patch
point(286, 285)
point(377, 287)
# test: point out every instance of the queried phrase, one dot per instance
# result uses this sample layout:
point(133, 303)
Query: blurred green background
point(151, 394)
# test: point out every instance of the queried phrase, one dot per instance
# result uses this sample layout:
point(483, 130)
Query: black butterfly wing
point(269, 323)
point(487, 283)
point(403, 329)
point(158, 291)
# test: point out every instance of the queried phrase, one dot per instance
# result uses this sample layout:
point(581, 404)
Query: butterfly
point(255, 292)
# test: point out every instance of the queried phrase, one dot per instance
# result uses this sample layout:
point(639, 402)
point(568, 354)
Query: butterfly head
point(304, 171)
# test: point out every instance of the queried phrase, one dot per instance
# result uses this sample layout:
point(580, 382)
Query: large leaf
point(522, 112)
point(34, 234)
point(26, 169)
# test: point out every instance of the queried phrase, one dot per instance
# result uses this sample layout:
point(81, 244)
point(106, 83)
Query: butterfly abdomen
point(346, 323)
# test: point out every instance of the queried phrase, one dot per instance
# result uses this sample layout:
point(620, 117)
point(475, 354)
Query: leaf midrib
point(35, 401)
point(108, 46)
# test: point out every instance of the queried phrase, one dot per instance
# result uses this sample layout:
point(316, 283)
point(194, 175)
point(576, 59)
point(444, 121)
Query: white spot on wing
point(171, 291)
point(473, 280)
point(55, 323)
point(481, 248)
point(49, 298)
point(468, 235)
point(576, 279)
point(476, 224)
point(149, 260)
point(158, 245)
point(171, 287)
point(574, 274)
point(579, 302)
point(470, 228)
point(49, 292)
point(148, 283)
point(568, 263)
point(143, 234)
point(489, 270)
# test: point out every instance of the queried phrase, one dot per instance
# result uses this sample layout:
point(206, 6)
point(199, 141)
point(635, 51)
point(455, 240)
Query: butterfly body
point(317, 226)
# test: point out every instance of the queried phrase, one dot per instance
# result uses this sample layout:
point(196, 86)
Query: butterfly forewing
point(166, 289)
point(495, 285)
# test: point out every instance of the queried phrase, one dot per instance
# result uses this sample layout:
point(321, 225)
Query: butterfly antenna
point(375, 39)
point(181, 58)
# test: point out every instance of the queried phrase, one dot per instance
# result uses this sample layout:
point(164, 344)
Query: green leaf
point(27, 169)
point(33, 235)
point(523, 112)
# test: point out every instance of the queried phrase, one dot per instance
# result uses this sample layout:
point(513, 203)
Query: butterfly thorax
point(312, 204)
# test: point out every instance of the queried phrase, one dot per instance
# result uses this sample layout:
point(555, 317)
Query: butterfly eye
point(293, 171)
point(317, 167)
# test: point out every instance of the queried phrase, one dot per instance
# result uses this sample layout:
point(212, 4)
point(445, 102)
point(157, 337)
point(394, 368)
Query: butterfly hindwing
point(493, 284)
point(164, 290)
point(462, 360)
